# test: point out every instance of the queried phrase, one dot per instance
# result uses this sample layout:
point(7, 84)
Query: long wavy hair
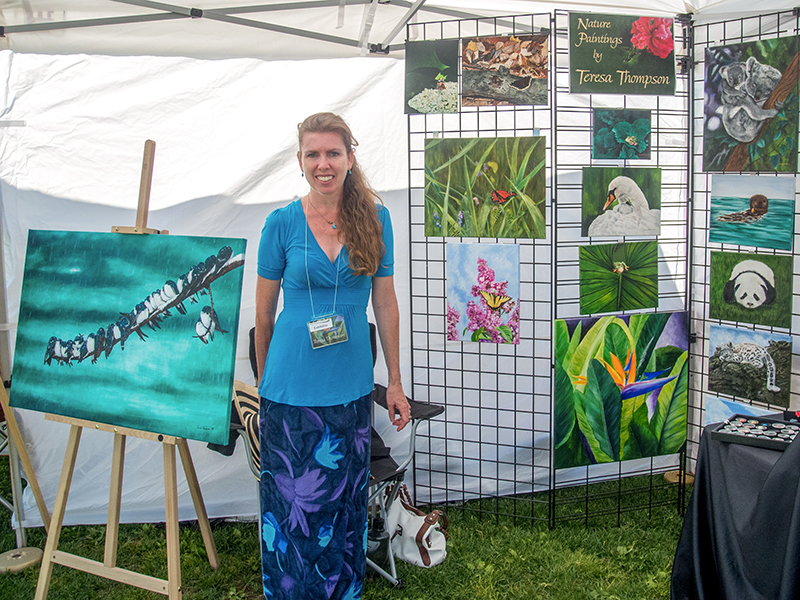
point(358, 218)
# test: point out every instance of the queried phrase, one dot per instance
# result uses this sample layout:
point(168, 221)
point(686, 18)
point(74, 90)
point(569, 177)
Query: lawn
point(489, 558)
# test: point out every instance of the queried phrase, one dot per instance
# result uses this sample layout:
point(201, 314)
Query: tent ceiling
point(279, 29)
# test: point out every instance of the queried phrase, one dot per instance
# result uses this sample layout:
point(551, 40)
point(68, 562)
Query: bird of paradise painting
point(131, 330)
point(621, 387)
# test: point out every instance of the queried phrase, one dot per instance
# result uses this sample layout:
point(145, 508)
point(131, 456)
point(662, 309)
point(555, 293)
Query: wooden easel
point(170, 587)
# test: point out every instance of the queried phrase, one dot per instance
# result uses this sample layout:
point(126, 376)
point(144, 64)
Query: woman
point(328, 251)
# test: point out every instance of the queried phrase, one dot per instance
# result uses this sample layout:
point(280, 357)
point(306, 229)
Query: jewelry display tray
point(762, 432)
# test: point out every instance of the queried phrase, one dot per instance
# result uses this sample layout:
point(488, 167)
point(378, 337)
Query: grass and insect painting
point(618, 277)
point(621, 133)
point(621, 388)
point(619, 201)
point(752, 210)
point(483, 293)
point(132, 330)
point(485, 187)
point(751, 288)
point(431, 77)
point(750, 364)
point(504, 70)
point(751, 106)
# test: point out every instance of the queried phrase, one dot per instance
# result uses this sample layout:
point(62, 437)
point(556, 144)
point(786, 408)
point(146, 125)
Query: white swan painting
point(631, 204)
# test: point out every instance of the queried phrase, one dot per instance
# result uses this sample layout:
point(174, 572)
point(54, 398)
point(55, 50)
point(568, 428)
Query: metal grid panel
point(768, 26)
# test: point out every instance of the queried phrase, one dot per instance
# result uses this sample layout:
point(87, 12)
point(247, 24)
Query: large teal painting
point(132, 330)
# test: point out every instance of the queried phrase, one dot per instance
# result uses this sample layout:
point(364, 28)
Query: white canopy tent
point(87, 82)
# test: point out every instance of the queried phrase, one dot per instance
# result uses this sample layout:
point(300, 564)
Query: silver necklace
point(331, 223)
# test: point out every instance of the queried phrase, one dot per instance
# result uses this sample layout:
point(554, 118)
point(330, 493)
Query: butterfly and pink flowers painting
point(483, 293)
point(621, 387)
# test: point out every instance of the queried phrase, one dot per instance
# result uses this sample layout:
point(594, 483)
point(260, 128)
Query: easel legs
point(173, 543)
point(199, 505)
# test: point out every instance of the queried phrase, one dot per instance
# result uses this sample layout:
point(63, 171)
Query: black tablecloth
point(741, 534)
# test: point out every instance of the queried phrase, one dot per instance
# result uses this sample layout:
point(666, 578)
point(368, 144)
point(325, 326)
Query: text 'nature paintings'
point(750, 364)
point(618, 277)
point(751, 108)
point(620, 133)
point(751, 288)
point(483, 293)
point(504, 71)
point(752, 210)
point(619, 201)
point(431, 77)
point(131, 330)
point(485, 187)
point(620, 54)
point(621, 388)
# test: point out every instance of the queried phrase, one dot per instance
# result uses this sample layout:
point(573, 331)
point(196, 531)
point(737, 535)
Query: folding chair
point(384, 470)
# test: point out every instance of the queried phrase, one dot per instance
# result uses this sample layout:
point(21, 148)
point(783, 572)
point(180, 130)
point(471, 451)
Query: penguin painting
point(759, 205)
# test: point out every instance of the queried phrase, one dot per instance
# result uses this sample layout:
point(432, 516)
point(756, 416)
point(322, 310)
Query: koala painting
point(745, 88)
point(751, 284)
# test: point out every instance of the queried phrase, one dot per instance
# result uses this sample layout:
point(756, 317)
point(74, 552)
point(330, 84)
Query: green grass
point(489, 557)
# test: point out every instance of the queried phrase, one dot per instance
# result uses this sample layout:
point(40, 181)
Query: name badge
point(327, 331)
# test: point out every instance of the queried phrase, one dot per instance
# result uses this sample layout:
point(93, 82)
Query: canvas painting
point(621, 133)
point(619, 201)
point(504, 71)
point(483, 293)
point(751, 288)
point(431, 77)
point(485, 187)
point(717, 410)
point(751, 109)
point(750, 364)
point(620, 54)
point(621, 387)
point(752, 210)
point(618, 277)
point(131, 330)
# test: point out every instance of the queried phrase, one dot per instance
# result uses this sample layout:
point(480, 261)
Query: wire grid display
point(494, 444)
point(763, 27)
point(669, 142)
point(493, 441)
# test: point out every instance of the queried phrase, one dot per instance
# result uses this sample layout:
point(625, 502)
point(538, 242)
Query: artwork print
point(483, 293)
point(621, 388)
point(431, 77)
point(485, 187)
point(752, 210)
point(620, 201)
point(750, 364)
point(504, 71)
point(620, 133)
point(620, 54)
point(717, 410)
point(136, 331)
point(751, 288)
point(751, 108)
point(618, 277)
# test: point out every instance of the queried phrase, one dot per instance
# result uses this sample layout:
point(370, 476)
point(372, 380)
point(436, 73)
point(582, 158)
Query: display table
point(741, 534)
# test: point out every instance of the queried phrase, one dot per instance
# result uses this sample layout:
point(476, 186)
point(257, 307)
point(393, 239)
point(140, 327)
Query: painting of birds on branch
point(131, 330)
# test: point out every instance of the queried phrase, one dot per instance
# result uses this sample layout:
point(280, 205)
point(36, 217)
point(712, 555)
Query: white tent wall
point(225, 131)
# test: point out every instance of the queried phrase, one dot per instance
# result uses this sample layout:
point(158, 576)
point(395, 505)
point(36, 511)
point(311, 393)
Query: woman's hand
point(397, 403)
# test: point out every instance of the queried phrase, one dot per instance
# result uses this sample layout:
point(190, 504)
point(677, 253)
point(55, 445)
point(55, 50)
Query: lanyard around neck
point(308, 278)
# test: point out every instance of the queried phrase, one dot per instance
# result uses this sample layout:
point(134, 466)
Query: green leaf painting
point(751, 288)
point(618, 277)
point(431, 77)
point(621, 388)
point(751, 106)
point(620, 133)
point(485, 187)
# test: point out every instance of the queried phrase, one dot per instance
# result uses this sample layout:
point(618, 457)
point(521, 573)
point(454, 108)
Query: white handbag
point(416, 537)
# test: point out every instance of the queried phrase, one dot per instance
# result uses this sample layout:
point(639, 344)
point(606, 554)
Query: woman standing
point(328, 251)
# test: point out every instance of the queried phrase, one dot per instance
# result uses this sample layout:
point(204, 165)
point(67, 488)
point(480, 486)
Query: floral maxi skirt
point(314, 490)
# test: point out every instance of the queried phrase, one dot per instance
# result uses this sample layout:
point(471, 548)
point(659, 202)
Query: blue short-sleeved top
point(294, 372)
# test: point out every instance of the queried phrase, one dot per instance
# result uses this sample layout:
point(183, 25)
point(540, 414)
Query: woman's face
point(325, 162)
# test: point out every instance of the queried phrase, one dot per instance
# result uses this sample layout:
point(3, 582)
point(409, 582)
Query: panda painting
point(751, 284)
